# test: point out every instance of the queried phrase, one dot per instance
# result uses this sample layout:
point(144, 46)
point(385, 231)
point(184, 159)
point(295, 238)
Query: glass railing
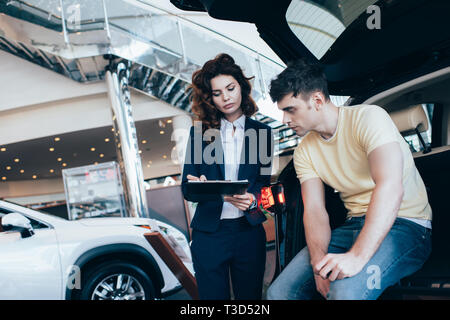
point(140, 32)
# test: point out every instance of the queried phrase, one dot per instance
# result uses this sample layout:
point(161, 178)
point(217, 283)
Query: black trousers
point(236, 250)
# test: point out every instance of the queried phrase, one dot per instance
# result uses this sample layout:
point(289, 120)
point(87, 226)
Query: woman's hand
point(240, 201)
point(194, 178)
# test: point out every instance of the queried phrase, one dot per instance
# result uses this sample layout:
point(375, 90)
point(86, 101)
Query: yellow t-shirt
point(342, 161)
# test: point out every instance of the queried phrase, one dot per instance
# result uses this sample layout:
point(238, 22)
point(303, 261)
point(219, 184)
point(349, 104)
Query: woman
point(228, 238)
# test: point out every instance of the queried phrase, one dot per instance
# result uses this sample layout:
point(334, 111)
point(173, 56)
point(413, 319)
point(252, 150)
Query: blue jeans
point(404, 250)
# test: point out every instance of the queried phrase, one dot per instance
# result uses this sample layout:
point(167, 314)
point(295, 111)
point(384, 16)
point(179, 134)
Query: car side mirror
point(16, 222)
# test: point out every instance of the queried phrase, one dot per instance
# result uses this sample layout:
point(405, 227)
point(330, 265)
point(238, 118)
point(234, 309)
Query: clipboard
point(217, 187)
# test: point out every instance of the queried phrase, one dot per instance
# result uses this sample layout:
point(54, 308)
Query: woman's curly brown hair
point(202, 103)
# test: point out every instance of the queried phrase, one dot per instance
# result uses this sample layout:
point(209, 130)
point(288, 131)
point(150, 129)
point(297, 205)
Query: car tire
point(117, 280)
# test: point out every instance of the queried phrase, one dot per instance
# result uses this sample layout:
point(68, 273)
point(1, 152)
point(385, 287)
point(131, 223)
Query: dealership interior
point(94, 84)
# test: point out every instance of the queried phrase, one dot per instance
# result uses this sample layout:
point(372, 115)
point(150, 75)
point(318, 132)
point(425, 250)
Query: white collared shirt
point(232, 146)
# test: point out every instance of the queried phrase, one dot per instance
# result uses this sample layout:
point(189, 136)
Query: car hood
point(112, 221)
point(117, 221)
point(413, 40)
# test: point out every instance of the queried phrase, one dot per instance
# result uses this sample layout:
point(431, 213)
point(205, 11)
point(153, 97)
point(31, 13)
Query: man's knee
point(276, 292)
point(351, 291)
point(342, 293)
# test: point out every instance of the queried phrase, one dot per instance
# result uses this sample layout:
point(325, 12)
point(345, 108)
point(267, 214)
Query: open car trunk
point(361, 59)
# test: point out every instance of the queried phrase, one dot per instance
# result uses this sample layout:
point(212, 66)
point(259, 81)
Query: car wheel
point(117, 280)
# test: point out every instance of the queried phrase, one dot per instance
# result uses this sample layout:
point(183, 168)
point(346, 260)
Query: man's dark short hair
point(300, 77)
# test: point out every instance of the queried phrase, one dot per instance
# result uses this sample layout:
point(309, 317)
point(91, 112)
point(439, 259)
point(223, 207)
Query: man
point(359, 152)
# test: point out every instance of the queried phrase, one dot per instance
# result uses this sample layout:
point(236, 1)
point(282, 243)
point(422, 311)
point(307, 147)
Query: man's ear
point(318, 100)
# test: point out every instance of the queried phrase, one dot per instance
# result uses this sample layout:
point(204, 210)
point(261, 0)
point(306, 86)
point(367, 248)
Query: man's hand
point(322, 286)
point(240, 201)
point(338, 266)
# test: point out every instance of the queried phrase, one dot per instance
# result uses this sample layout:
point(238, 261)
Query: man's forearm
point(380, 216)
point(317, 234)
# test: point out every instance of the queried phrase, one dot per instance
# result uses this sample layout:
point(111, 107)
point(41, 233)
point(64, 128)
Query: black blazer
point(209, 208)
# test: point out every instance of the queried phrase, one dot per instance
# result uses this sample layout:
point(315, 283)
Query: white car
point(47, 257)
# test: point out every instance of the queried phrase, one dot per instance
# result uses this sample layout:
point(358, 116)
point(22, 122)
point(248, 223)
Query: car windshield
point(318, 23)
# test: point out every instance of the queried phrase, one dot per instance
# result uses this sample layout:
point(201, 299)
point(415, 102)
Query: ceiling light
point(144, 141)
point(51, 170)
point(51, 149)
point(64, 164)
point(57, 138)
point(107, 140)
point(59, 159)
point(92, 149)
point(164, 157)
point(16, 160)
point(101, 155)
point(34, 176)
point(169, 121)
point(3, 178)
point(8, 168)
point(3, 149)
point(22, 171)
point(161, 132)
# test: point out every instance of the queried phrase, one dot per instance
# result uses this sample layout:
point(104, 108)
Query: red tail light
point(281, 198)
point(267, 199)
